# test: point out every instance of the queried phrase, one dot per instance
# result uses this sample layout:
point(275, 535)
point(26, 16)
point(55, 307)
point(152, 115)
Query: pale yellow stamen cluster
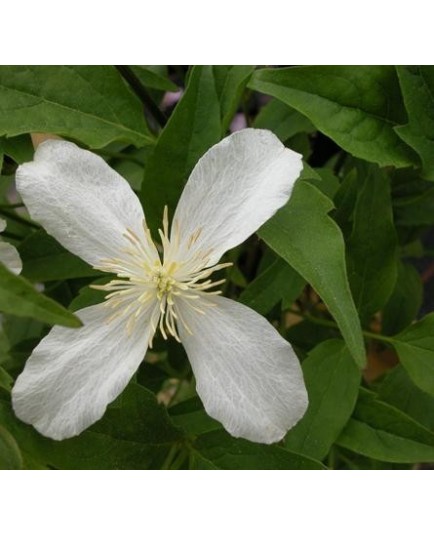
point(159, 289)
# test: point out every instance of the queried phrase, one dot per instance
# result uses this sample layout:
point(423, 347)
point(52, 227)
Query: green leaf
point(283, 120)
point(130, 164)
point(415, 347)
point(10, 455)
point(230, 82)
point(417, 84)
point(153, 79)
point(398, 390)
point(310, 174)
point(192, 418)
point(193, 127)
point(372, 263)
point(358, 107)
point(310, 241)
point(332, 381)
point(18, 329)
point(306, 335)
point(405, 301)
point(19, 148)
point(384, 433)
point(134, 430)
point(19, 298)
point(345, 201)
point(20, 352)
point(91, 104)
point(278, 281)
point(218, 450)
point(6, 182)
point(6, 381)
point(88, 296)
point(413, 199)
point(44, 259)
point(329, 184)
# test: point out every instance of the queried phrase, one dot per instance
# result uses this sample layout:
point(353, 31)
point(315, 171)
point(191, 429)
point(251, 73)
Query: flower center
point(164, 284)
point(155, 289)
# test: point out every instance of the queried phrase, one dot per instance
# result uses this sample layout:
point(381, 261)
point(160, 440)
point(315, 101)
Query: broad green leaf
point(6, 183)
point(130, 164)
point(192, 418)
point(6, 381)
point(415, 347)
point(10, 455)
point(310, 241)
point(283, 120)
point(398, 390)
point(306, 335)
point(91, 104)
point(44, 259)
point(413, 199)
point(332, 381)
point(134, 430)
point(137, 416)
point(19, 148)
point(88, 296)
point(309, 173)
point(276, 283)
point(19, 298)
point(19, 353)
point(329, 184)
point(345, 201)
point(193, 127)
point(372, 246)
point(230, 82)
point(221, 451)
point(405, 301)
point(358, 107)
point(152, 79)
point(384, 433)
point(19, 329)
point(417, 84)
point(236, 276)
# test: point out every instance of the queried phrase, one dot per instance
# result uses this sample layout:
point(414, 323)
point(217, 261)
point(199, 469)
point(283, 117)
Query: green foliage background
point(337, 270)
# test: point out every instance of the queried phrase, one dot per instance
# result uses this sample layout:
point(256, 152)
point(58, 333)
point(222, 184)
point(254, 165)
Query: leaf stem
point(11, 206)
point(12, 236)
point(170, 457)
point(331, 324)
point(340, 162)
point(128, 74)
point(179, 461)
point(19, 219)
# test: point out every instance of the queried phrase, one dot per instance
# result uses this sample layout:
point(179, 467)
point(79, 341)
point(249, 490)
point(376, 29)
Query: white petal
point(79, 200)
point(10, 258)
point(73, 374)
point(8, 253)
point(234, 188)
point(247, 375)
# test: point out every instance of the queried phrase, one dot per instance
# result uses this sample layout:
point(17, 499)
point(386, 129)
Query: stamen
point(166, 221)
point(150, 289)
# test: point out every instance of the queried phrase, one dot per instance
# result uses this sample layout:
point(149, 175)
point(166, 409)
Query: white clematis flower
point(8, 253)
point(247, 375)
